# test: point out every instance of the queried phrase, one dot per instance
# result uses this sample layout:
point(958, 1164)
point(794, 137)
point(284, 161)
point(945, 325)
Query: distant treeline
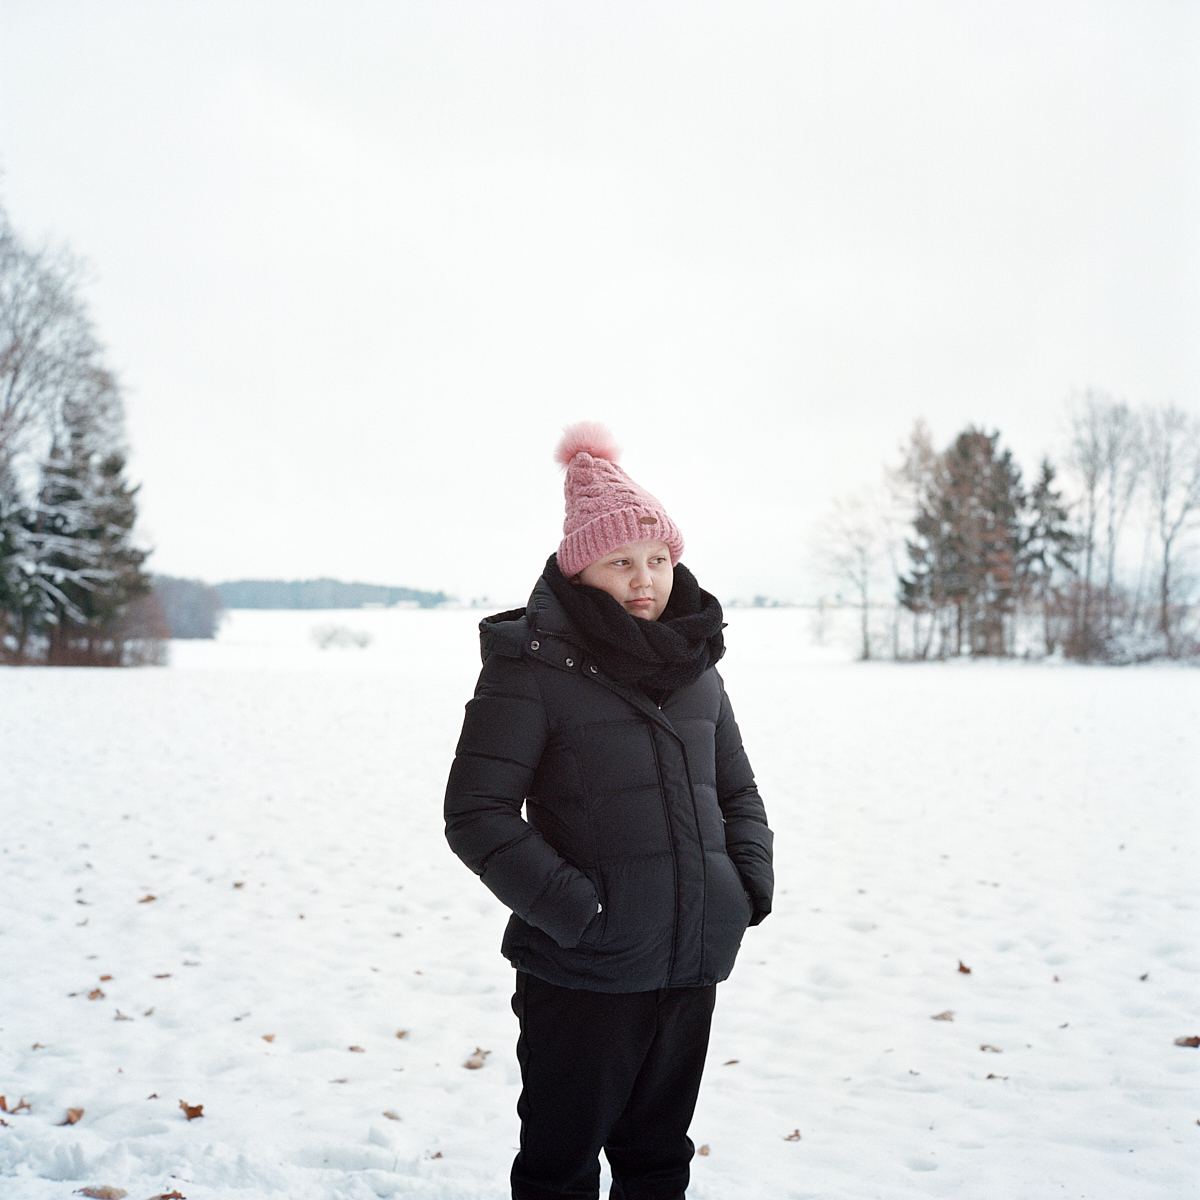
point(320, 593)
point(190, 608)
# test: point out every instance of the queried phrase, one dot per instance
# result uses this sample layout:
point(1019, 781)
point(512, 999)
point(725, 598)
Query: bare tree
point(1123, 462)
point(1107, 459)
point(1086, 459)
point(1173, 464)
point(47, 349)
point(850, 548)
point(906, 486)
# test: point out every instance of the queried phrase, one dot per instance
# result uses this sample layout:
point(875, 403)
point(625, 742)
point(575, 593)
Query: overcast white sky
point(358, 263)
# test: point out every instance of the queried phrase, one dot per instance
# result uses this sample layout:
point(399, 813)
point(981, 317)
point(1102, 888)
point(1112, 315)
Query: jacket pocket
point(729, 905)
point(593, 935)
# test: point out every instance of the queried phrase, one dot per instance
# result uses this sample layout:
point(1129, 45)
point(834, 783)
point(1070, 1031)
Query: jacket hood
point(507, 632)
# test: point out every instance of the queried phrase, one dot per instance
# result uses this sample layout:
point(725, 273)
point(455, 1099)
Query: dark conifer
point(1048, 555)
point(965, 553)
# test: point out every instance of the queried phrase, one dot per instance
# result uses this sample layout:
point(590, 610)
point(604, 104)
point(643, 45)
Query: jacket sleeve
point(748, 839)
point(503, 735)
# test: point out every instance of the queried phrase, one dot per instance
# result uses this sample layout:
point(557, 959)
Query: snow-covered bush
point(340, 636)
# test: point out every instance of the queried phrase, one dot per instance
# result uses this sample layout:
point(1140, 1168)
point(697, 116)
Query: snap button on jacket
point(644, 837)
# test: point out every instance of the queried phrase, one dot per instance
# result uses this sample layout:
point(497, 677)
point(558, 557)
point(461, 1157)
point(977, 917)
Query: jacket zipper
point(703, 857)
point(662, 793)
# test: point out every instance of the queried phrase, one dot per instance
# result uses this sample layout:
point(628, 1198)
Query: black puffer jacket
point(649, 814)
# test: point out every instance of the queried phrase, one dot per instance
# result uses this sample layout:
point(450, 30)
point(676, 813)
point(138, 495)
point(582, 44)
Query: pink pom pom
point(589, 436)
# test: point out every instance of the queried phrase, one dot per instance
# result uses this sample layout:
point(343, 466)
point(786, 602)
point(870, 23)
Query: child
point(645, 850)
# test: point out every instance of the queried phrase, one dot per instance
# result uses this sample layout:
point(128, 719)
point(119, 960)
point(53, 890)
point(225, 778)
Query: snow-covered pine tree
point(83, 560)
point(63, 557)
point(16, 592)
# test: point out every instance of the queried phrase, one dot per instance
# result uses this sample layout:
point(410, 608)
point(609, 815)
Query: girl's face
point(638, 577)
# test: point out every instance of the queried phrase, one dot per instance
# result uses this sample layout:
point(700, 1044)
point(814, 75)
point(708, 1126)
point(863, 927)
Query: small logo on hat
point(648, 520)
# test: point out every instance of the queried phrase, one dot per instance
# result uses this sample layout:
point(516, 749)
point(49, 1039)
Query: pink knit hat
point(605, 508)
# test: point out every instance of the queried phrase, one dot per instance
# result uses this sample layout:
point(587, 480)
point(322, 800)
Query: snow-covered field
point(225, 883)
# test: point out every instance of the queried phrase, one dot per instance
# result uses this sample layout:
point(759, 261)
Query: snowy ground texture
point(225, 883)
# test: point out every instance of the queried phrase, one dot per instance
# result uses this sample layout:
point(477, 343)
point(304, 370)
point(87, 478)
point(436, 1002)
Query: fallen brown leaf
point(794, 1136)
point(8, 1126)
point(948, 1015)
point(146, 899)
point(391, 1116)
point(268, 1037)
point(358, 1050)
point(997, 1076)
point(476, 1060)
point(401, 1033)
point(121, 1016)
point(152, 1096)
point(1143, 978)
point(963, 968)
point(105, 978)
point(993, 1049)
point(703, 1151)
point(166, 976)
point(730, 1062)
point(102, 1193)
point(169, 1196)
point(239, 885)
point(95, 994)
point(339, 1081)
point(191, 1111)
point(1187, 1041)
point(438, 1154)
point(149, 1012)
point(73, 1115)
point(23, 1104)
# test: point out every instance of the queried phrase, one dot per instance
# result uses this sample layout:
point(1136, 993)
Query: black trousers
point(614, 1070)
